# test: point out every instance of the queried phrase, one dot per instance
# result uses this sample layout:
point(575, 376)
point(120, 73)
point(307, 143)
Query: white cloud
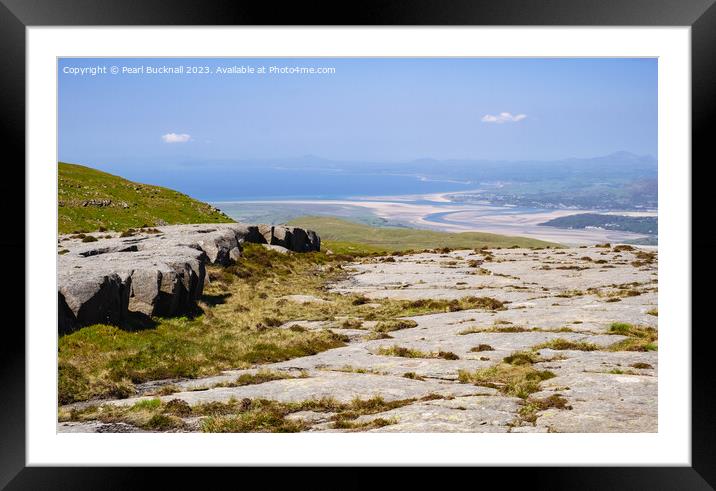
point(503, 118)
point(176, 138)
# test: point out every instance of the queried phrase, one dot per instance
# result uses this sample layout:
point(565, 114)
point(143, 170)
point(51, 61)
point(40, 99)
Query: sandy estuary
point(437, 212)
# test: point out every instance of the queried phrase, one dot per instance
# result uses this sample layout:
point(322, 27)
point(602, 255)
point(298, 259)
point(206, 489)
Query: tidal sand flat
point(434, 212)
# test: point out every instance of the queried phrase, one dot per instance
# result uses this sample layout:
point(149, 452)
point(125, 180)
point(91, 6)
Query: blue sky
point(368, 110)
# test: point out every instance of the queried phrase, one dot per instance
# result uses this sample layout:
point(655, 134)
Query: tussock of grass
point(404, 352)
point(514, 380)
point(352, 324)
point(257, 421)
point(395, 325)
point(177, 407)
point(413, 376)
point(163, 422)
point(145, 405)
point(561, 329)
point(165, 390)
point(570, 293)
point(465, 303)
point(352, 369)
point(447, 355)
point(654, 312)
point(640, 338)
point(373, 336)
point(522, 358)
point(148, 414)
point(528, 412)
point(621, 328)
point(481, 347)
point(511, 329)
point(622, 248)
point(367, 425)
point(565, 344)
point(475, 330)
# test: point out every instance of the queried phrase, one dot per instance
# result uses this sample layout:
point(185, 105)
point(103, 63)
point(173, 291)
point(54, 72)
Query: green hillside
point(89, 199)
point(345, 237)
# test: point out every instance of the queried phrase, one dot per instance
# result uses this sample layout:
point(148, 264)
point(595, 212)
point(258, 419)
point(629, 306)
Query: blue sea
point(246, 184)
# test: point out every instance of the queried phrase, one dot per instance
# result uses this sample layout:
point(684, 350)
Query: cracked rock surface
point(572, 295)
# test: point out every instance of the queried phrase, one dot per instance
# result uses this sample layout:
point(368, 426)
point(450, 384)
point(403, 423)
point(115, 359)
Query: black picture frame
point(700, 15)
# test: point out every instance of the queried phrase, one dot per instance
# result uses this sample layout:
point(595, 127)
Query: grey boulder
point(155, 274)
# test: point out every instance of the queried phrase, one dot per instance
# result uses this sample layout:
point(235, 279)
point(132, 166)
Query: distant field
point(89, 199)
point(345, 236)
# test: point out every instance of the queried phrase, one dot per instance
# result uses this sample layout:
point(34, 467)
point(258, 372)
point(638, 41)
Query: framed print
point(421, 236)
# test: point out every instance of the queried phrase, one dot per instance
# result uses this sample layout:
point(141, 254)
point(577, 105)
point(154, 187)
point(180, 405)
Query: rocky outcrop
point(159, 272)
point(87, 296)
point(292, 238)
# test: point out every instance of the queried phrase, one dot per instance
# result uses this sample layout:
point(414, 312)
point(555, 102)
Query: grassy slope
point(343, 236)
point(147, 204)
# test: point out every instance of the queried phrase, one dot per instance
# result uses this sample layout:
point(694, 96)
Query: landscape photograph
point(381, 245)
